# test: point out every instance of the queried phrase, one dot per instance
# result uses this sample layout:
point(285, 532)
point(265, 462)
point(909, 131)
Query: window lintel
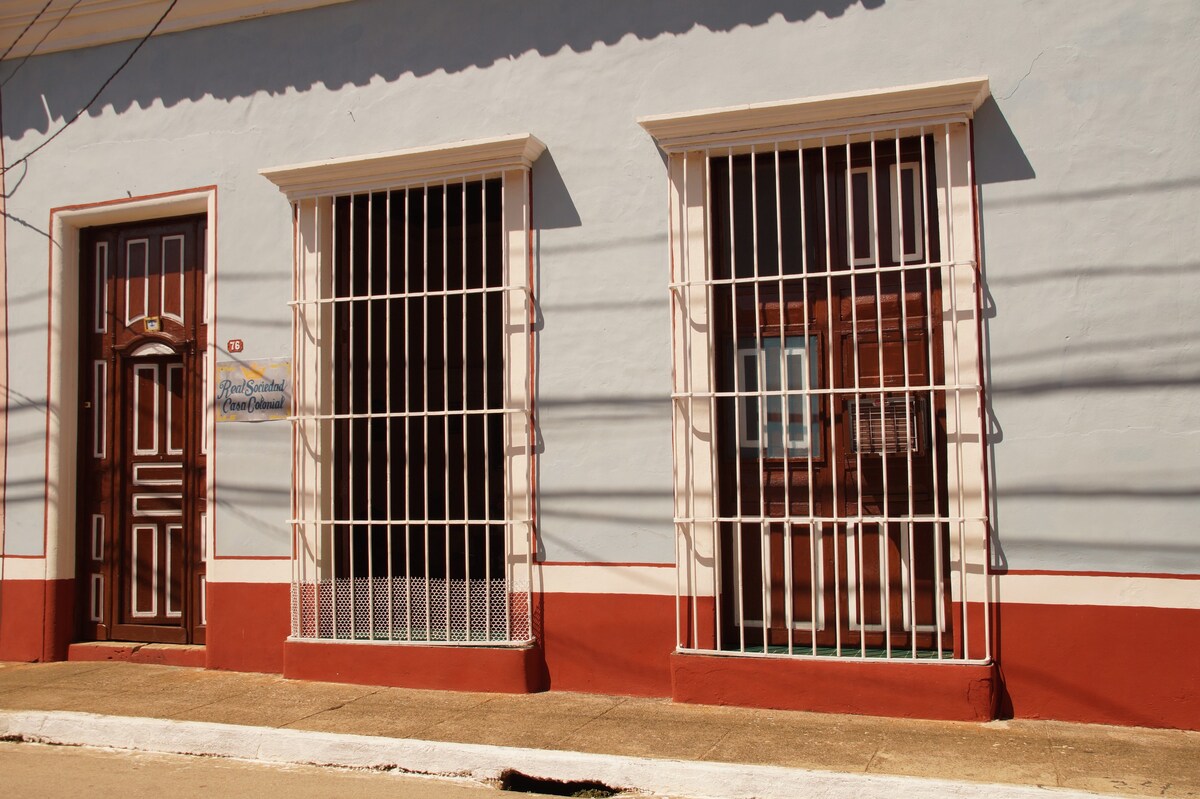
point(679, 131)
point(360, 173)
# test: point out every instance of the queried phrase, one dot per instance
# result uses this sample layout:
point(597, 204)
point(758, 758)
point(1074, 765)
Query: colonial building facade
point(825, 355)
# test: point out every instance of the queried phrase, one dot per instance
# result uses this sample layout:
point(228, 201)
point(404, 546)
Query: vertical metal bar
point(739, 392)
point(445, 380)
point(317, 388)
point(527, 333)
point(506, 285)
point(486, 416)
point(934, 388)
point(814, 584)
point(406, 393)
point(333, 310)
point(708, 274)
point(390, 419)
point(831, 306)
point(686, 356)
point(884, 528)
point(351, 417)
point(425, 415)
point(907, 530)
point(465, 419)
point(957, 359)
point(298, 482)
point(786, 415)
point(530, 548)
point(764, 525)
point(977, 278)
point(858, 422)
point(368, 515)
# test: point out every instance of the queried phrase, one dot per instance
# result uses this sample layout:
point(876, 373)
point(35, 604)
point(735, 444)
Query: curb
point(701, 780)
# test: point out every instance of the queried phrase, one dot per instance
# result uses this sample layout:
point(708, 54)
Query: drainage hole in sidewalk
point(584, 789)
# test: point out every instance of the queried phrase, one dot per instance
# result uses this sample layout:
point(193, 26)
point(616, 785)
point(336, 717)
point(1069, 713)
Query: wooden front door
point(142, 483)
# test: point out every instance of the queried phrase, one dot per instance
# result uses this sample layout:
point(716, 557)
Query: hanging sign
point(253, 391)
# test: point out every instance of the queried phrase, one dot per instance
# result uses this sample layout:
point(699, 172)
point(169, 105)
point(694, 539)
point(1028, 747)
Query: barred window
point(413, 404)
point(827, 398)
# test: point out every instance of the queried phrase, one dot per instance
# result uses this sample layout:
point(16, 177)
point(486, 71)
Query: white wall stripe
point(1099, 590)
point(250, 570)
point(23, 568)
point(607, 579)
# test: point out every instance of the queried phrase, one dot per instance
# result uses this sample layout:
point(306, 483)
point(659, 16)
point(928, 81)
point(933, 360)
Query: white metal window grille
point(829, 495)
point(412, 487)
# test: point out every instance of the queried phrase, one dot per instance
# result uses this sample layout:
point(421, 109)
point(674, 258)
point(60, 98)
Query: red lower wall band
point(37, 619)
point(1101, 665)
point(1097, 664)
point(247, 625)
point(608, 643)
point(22, 619)
point(485, 669)
point(959, 692)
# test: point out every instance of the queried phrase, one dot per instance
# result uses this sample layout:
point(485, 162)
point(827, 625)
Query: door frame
point(62, 378)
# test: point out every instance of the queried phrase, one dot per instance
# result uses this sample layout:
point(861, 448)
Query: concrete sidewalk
point(550, 727)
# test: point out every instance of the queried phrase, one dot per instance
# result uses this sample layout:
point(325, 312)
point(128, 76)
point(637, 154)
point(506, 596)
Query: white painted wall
point(1089, 171)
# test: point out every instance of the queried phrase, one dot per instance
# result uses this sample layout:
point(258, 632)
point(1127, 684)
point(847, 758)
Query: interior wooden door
point(142, 459)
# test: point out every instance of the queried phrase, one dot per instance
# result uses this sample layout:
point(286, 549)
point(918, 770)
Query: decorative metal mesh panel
point(410, 609)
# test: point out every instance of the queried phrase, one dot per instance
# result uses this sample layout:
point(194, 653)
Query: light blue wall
point(1087, 161)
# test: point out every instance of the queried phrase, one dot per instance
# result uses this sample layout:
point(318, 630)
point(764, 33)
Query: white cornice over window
point(874, 108)
point(383, 170)
point(94, 22)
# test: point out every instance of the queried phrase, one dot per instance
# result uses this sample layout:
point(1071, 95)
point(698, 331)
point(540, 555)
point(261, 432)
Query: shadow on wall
point(1138, 364)
point(353, 44)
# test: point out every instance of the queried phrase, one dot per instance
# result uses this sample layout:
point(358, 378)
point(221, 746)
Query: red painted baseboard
point(22, 616)
point(609, 643)
point(37, 621)
point(248, 624)
point(910, 690)
point(449, 668)
point(1104, 665)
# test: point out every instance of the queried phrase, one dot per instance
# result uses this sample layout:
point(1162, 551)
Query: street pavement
point(651, 744)
point(67, 772)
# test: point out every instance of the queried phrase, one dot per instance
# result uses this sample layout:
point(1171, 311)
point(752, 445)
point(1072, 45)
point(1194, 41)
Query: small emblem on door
point(153, 324)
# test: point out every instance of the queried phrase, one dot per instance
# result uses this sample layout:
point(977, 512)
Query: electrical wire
point(45, 36)
point(21, 35)
point(99, 91)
